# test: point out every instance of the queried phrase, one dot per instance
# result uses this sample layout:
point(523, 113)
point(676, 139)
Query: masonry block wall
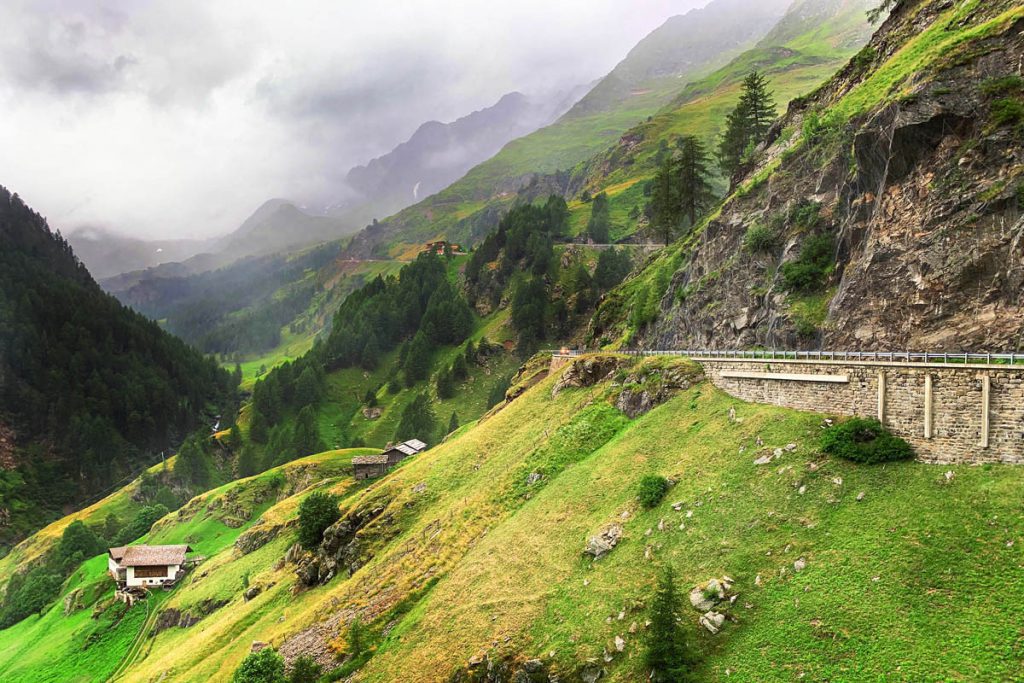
point(966, 413)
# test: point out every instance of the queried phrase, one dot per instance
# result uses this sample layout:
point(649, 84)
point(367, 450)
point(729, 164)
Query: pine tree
point(733, 143)
point(599, 226)
point(190, 465)
point(460, 370)
point(691, 168)
point(453, 423)
point(665, 202)
point(758, 104)
point(417, 362)
point(445, 384)
point(258, 430)
point(247, 462)
point(668, 655)
point(307, 436)
point(748, 124)
point(418, 421)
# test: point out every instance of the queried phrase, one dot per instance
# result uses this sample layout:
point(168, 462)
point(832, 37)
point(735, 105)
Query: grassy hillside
point(468, 558)
point(796, 57)
point(89, 640)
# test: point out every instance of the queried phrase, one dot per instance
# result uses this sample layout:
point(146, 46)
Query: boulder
point(712, 622)
point(603, 542)
point(706, 596)
point(533, 477)
point(251, 592)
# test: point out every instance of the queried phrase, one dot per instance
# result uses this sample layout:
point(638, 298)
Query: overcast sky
point(164, 118)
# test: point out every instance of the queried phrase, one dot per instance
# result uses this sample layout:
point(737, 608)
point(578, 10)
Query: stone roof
point(410, 447)
point(381, 459)
point(149, 555)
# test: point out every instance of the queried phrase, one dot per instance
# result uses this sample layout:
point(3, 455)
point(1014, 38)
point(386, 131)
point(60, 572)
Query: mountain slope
point(89, 391)
point(908, 155)
point(683, 48)
point(438, 154)
point(460, 556)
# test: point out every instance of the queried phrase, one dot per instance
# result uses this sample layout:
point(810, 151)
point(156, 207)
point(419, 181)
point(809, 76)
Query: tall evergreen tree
point(758, 105)
point(747, 125)
point(417, 362)
point(418, 421)
point(190, 465)
point(307, 436)
point(665, 202)
point(668, 654)
point(453, 423)
point(600, 225)
point(695, 195)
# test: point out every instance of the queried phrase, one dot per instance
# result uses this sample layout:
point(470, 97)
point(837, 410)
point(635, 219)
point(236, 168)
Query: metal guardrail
point(870, 356)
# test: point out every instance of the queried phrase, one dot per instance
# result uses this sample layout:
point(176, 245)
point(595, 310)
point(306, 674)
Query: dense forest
point(89, 390)
point(240, 308)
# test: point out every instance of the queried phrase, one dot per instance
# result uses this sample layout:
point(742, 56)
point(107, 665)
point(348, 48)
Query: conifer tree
point(247, 463)
point(453, 423)
point(307, 436)
point(599, 226)
point(695, 195)
point(668, 656)
point(418, 421)
point(665, 202)
point(758, 105)
point(748, 123)
point(445, 384)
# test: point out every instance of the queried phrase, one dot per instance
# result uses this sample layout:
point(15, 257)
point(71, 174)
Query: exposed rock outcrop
point(586, 371)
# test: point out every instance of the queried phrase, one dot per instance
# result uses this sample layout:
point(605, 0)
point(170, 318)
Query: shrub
point(1007, 111)
point(305, 670)
point(760, 237)
point(809, 272)
point(652, 490)
point(866, 441)
point(1002, 85)
point(317, 511)
point(265, 666)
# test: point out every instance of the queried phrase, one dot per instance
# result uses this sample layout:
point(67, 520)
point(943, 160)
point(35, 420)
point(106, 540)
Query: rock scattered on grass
point(800, 565)
point(604, 541)
point(712, 621)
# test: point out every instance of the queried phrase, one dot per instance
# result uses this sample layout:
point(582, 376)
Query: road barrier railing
point(922, 357)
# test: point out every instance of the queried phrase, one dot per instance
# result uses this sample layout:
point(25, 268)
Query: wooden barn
point(134, 566)
point(373, 466)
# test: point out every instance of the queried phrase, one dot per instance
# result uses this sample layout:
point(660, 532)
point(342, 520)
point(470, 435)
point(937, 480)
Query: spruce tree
point(418, 421)
point(733, 143)
point(599, 226)
point(247, 462)
point(453, 423)
point(695, 195)
point(665, 202)
point(668, 656)
point(445, 384)
point(307, 436)
point(758, 105)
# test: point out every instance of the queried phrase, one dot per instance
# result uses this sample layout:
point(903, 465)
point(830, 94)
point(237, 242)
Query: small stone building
point(373, 466)
point(135, 566)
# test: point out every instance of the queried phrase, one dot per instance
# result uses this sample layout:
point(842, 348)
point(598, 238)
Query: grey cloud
point(178, 117)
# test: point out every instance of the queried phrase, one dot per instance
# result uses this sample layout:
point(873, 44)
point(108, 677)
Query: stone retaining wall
point(966, 413)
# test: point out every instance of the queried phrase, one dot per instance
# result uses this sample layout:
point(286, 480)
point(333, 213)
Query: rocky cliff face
point(909, 165)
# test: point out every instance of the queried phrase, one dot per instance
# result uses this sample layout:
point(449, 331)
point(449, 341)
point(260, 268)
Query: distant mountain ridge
point(438, 153)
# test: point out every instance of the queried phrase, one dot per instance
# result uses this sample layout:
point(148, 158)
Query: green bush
point(317, 511)
point(265, 666)
point(1007, 111)
point(652, 490)
point(1002, 85)
point(761, 238)
point(866, 441)
point(809, 272)
point(305, 670)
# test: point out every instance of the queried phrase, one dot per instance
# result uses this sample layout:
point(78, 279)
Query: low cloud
point(178, 117)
